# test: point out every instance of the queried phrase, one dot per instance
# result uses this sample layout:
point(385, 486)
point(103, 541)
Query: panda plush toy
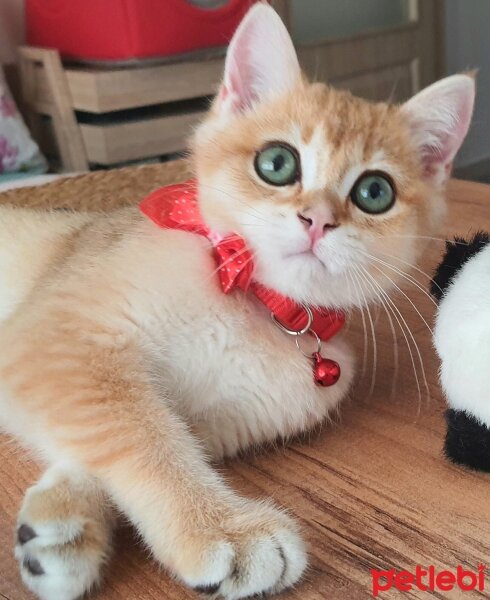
point(462, 339)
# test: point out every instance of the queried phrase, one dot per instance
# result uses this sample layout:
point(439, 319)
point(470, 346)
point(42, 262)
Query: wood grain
point(371, 490)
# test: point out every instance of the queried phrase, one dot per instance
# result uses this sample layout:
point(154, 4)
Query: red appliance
point(121, 30)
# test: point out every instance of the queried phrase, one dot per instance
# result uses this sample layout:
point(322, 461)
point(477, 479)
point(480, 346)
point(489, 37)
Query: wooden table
point(371, 491)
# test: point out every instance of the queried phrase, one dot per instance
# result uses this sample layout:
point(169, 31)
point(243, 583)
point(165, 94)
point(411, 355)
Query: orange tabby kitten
point(123, 365)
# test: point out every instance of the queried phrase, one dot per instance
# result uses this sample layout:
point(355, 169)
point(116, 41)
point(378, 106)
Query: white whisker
point(231, 259)
point(408, 264)
point(402, 274)
point(257, 214)
point(412, 337)
point(370, 280)
point(407, 297)
point(363, 317)
point(373, 333)
point(423, 237)
point(388, 310)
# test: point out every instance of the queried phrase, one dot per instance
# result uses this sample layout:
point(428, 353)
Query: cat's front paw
point(62, 539)
point(260, 552)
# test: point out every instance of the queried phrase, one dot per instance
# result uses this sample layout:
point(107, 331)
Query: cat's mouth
point(309, 255)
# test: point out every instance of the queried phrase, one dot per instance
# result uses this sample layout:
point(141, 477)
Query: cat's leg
point(209, 537)
point(63, 535)
point(101, 410)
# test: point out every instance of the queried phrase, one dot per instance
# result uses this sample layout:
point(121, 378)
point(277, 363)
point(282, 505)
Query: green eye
point(373, 193)
point(278, 164)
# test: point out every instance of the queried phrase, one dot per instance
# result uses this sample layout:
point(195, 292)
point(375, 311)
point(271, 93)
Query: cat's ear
point(439, 118)
point(261, 61)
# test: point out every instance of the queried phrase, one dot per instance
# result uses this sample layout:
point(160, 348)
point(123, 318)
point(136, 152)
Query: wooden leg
point(28, 86)
point(67, 130)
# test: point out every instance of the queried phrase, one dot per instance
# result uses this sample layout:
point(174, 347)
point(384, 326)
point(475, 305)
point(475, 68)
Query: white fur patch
point(462, 338)
point(315, 156)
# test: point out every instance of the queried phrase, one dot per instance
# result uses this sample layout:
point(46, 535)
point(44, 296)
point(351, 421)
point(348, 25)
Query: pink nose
point(317, 221)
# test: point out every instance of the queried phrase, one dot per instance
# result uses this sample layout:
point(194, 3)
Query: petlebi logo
point(428, 579)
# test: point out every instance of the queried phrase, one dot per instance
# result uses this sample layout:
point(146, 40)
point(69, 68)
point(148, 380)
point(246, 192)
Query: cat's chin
point(306, 278)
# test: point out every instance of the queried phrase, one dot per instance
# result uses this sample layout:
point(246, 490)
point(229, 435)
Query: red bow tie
point(176, 207)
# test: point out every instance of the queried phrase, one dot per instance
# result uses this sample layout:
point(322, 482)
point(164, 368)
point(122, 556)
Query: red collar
point(176, 207)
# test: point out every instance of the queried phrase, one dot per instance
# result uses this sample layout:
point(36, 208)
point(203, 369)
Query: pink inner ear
point(451, 140)
point(440, 117)
point(435, 157)
point(443, 154)
point(239, 73)
point(261, 61)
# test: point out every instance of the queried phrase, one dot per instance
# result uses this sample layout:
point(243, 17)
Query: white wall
point(11, 29)
point(468, 47)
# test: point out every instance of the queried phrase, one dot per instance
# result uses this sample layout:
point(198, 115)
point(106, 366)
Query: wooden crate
point(70, 95)
point(119, 142)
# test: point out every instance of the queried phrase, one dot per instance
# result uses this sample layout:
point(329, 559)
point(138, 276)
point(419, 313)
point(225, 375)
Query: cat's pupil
point(278, 162)
point(375, 190)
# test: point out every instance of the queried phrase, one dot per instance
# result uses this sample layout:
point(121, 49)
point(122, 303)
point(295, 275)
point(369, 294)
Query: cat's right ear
point(439, 118)
point(261, 62)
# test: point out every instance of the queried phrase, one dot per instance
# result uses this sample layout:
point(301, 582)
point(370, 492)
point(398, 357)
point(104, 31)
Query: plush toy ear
point(261, 61)
point(439, 118)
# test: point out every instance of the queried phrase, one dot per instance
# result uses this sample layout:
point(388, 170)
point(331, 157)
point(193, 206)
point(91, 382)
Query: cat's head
point(325, 188)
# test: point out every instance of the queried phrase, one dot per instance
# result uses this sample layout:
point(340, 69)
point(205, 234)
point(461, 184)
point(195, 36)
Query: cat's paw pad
point(263, 553)
point(60, 549)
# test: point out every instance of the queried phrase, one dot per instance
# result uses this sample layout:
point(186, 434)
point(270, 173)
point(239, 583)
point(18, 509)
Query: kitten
point(124, 366)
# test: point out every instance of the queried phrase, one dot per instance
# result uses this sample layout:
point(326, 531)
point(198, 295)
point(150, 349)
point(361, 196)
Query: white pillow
point(19, 154)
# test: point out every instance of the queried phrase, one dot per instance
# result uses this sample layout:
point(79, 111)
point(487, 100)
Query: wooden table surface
point(371, 491)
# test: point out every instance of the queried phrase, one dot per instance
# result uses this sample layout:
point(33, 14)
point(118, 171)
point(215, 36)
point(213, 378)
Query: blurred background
point(111, 92)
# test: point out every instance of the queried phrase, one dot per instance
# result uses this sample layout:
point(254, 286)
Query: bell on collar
point(326, 371)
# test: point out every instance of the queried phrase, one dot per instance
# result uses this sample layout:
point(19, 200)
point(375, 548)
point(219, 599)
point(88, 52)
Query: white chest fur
point(222, 360)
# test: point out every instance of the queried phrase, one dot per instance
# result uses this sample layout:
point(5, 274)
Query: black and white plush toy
point(462, 340)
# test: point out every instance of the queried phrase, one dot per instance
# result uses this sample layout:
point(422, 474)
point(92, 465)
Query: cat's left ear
point(439, 118)
point(261, 61)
